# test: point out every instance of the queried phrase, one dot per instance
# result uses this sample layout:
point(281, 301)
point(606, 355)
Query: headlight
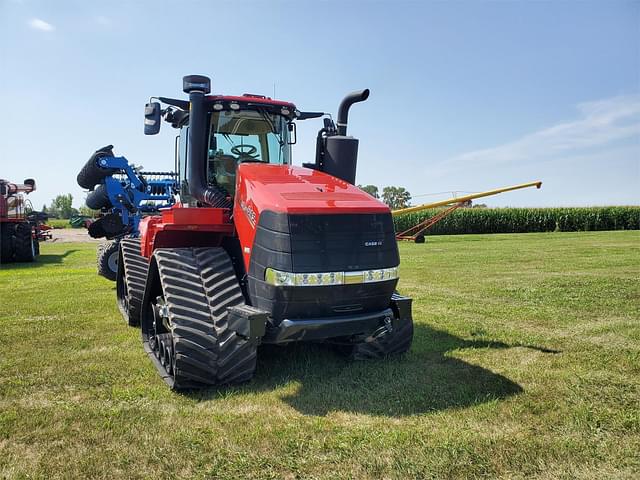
point(289, 279)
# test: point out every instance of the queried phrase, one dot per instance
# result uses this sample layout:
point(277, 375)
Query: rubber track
point(199, 284)
point(135, 276)
point(394, 343)
point(98, 199)
point(102, 259)
point(22, 243)
point(236, 356)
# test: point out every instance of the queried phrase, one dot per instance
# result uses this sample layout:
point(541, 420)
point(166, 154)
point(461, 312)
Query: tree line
point(395, 197)
point(62, 207)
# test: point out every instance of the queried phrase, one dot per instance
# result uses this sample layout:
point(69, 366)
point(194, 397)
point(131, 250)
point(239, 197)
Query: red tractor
point(18, 239)
point(256, 250)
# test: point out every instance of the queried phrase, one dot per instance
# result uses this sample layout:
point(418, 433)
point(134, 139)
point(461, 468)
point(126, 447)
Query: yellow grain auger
point(416, 233)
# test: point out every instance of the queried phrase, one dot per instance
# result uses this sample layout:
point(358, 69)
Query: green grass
point(59, 223)
point(526, 363)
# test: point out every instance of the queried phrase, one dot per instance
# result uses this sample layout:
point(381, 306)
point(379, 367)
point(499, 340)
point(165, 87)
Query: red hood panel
point(291, 189)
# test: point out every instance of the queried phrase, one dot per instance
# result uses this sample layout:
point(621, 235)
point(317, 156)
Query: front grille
point(322, 243)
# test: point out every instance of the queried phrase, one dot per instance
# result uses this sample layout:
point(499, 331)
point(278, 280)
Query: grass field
point(58, 223)
point(526, 363)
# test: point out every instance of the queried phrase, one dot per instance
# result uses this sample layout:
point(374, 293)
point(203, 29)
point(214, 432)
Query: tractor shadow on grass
point(316, 381)
point(41, 260)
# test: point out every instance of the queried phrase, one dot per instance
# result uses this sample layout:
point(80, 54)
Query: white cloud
point(41, 25)
point(602, 123)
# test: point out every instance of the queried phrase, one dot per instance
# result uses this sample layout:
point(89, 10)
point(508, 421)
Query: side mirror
point(152, 118)
point(293, 133)
point(308, 115)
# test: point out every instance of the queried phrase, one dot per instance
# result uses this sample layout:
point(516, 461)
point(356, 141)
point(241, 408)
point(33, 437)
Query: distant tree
point(62, 206)
point(479, 205)
point(370, 189)
point(396, 197)
point(44, 209)
point(87, 212)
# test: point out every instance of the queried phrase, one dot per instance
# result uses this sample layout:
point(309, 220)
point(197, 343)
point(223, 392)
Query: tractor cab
point(249, 135)
point(238, 129)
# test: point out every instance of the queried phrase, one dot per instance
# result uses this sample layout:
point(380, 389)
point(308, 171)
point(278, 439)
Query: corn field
point(525, 220)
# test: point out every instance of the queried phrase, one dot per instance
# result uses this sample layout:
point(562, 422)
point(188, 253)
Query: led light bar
point(288, 279)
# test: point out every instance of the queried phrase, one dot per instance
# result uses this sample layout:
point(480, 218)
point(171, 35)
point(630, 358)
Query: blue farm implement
point(124, 195)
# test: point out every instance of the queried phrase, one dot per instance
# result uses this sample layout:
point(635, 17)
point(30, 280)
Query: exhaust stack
point(197, 86)
point(337, 153)
point(345, 105)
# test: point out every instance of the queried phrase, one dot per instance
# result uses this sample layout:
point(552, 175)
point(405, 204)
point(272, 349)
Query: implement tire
point(130, 280)
point(107, 259)
point(25, 244)
point(99, 198)
point(189, 290)
point(92, 174)
point(7, 250)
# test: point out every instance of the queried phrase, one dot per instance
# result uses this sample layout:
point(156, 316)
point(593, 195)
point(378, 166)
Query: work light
point(278, 278)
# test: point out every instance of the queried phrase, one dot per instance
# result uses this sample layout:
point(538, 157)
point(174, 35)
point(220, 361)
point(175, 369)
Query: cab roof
point(249, 98)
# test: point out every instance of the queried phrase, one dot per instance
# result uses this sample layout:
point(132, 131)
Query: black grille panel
point(322, 243)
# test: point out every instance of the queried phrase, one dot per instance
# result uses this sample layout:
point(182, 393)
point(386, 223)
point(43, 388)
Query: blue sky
point(465, 96)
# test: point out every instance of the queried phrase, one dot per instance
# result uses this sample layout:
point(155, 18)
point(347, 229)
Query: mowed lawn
point(525, 363)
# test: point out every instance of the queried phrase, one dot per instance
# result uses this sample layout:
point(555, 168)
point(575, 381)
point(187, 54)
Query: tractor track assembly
point(185, 326)
point(130, 280)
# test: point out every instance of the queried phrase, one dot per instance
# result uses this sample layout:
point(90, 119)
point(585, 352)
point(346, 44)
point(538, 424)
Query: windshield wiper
point(266, 118)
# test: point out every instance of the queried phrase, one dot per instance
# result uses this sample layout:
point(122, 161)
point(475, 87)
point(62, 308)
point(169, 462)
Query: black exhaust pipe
point(345, 105)
point(337, 153)
point(197, 86)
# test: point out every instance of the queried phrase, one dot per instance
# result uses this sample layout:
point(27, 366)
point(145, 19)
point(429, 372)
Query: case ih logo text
point(373, 243)
point(248, 211)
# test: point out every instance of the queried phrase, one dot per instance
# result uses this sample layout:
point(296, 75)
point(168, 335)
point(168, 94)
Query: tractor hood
point(294, 219)
point(293, 190)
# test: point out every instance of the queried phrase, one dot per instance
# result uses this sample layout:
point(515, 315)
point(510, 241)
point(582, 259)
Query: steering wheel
point(245, 152)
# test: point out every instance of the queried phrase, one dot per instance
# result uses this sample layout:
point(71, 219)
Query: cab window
point(237, 136)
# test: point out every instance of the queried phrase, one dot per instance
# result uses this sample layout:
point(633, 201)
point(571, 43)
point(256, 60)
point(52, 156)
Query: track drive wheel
point(7, 233)
point(184, 319)
point(25, 244)
point(130, 279)
point(107, 259)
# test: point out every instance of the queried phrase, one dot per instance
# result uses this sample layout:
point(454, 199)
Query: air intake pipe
point(345, 105)
point(197, 86)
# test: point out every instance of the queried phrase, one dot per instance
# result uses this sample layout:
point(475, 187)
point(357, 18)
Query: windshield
point(245, 136)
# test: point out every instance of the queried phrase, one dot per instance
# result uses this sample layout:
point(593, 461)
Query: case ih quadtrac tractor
point(18, 239)
point(256, 250)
